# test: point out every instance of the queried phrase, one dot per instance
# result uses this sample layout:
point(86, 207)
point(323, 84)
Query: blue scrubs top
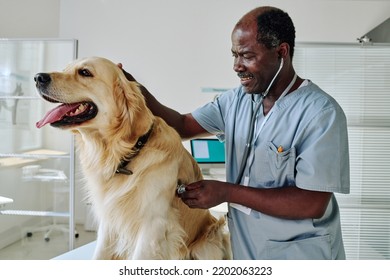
point(302, 142)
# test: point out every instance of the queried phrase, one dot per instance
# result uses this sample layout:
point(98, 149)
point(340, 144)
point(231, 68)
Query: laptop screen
point(207, 150)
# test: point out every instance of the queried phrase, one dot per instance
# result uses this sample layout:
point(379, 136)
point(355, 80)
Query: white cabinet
point(36, 165)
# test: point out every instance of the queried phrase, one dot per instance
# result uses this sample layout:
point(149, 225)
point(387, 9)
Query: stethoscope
point(254, 113)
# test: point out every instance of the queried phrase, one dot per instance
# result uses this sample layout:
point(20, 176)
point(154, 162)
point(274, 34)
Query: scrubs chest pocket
point(282, 164)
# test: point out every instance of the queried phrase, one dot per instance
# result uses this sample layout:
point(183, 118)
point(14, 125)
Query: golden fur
point(140, 216)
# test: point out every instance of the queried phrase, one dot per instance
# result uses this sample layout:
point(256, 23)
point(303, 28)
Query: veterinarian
point(286, 148)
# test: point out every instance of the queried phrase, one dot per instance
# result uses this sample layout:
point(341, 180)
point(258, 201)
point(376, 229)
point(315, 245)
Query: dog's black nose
point(42, 78)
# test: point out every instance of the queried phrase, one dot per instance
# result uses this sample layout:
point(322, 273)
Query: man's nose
point(238, 66)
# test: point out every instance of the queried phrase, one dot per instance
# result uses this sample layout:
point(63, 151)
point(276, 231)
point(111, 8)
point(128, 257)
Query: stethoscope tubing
point(252, 124)
point(249, 139)
point(254, 114)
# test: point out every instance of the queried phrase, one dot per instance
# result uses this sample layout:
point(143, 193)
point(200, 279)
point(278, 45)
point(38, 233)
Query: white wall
point(29, 19)
point(175, 47)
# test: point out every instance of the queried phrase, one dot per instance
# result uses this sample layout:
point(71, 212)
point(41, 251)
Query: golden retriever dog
point(133, 163)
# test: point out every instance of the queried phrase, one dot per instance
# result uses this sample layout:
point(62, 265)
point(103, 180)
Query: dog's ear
point(127, 74)
point(128, 94)
point(124, 94)
point(126, 85)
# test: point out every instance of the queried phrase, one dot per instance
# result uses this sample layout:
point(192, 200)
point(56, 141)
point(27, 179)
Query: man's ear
point(283, 50)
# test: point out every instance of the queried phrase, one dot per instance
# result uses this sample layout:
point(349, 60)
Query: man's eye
point(247, 56)
point(85, 73)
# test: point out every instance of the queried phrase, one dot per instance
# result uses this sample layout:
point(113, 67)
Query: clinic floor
point(36, 248)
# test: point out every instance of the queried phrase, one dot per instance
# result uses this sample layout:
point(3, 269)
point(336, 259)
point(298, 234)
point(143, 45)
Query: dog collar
point(135, 150)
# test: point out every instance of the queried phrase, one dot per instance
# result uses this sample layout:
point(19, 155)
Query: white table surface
point(4, 201)
point(82, 253)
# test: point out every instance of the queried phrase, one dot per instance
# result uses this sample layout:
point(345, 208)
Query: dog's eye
point(85, 73)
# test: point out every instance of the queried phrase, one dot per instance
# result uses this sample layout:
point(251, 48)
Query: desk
point(9, 160)
point(4, 201)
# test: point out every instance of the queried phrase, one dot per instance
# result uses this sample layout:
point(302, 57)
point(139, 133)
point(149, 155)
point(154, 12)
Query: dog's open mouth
point(69, 114)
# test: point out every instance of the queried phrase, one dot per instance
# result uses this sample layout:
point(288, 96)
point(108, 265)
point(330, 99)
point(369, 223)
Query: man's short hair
point(274, 27)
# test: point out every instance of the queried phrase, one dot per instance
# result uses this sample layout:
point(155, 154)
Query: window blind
point(358, 77)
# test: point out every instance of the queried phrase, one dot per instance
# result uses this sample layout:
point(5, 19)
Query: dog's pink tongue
point(57, 114)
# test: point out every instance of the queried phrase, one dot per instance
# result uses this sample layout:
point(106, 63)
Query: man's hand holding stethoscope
point(203, 194)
